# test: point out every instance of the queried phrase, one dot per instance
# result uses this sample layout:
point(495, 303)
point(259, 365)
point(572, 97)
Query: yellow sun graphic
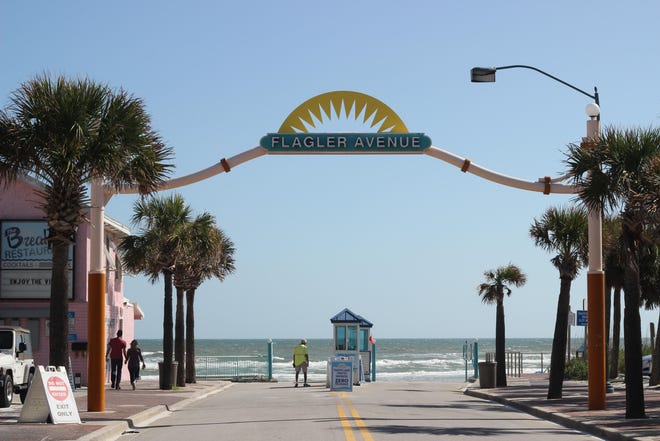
point(355, 103)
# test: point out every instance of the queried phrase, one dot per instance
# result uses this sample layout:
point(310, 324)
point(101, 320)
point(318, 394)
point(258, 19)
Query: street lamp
point(487, 75)
point(596, 277)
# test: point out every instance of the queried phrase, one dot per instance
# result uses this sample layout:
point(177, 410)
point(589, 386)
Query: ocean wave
point(389, 363)
point(146, 354)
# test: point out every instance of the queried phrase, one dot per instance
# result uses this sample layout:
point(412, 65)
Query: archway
point(391, 136)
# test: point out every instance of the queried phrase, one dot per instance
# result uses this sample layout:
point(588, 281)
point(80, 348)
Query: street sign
point(345, 142)
point(581, 317)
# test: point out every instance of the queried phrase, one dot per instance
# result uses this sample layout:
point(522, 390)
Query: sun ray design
point(343, 103)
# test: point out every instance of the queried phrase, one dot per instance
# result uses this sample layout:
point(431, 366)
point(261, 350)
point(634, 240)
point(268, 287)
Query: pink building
point(25, 273)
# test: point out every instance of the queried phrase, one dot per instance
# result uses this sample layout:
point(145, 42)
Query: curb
point(115, 429)
point(558, 418)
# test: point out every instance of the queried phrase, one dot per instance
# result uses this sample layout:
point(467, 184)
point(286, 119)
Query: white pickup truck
point(16, 363)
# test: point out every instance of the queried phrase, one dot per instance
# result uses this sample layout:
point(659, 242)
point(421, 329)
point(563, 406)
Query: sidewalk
point(124, 409)
point(529, 395)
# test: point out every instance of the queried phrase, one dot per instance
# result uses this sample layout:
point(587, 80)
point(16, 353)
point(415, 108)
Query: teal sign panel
point(368, 143)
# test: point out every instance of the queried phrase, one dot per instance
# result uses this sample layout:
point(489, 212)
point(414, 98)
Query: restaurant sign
point(26, 261)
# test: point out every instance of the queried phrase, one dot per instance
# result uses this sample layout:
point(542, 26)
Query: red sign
point(57, 388)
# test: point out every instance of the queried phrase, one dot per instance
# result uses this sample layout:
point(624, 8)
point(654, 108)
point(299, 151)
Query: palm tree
point(65, 133)
point(619, 171)
point(206, 253)
point(182, 281)
point(212, 257)
point(493, 291)
point(562, 231)
point(162, 223)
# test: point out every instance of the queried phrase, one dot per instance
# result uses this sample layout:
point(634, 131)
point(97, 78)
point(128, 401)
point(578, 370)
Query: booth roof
point(348, 316)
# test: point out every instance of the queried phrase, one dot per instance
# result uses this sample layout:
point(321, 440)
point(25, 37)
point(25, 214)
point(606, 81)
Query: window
point(34, 325)
point(6, 339)
point(118, 269)
point(340, 338)
point(364, 340)
point(352, 338)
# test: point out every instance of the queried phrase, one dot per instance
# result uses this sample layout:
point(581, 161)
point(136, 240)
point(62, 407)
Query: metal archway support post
point(96, 294)
point(596, 345)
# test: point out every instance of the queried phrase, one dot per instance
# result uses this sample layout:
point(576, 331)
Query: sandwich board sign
point(341, 375)
point(50, 395)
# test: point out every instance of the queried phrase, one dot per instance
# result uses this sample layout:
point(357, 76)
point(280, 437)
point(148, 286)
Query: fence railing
point(518, 363)
point(236, 368)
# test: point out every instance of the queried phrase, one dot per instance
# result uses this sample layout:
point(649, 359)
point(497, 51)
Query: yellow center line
point(363, 427)
point(345, 425)
point(366, 436)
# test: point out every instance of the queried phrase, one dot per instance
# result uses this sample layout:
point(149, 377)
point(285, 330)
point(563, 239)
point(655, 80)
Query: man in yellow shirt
point(301, 361)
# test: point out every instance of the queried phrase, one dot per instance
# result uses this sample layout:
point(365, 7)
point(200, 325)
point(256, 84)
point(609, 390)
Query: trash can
point(487, 374)
point(161, 380)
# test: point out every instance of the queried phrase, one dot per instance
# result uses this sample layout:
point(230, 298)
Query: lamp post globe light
point(593, 110)
point(596, 349)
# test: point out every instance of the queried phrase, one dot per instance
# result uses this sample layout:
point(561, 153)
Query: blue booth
point(352, 339)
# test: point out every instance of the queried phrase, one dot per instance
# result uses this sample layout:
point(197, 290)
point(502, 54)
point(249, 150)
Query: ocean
point(414, 359)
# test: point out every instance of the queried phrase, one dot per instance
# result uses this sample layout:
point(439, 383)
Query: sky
point(402, 240)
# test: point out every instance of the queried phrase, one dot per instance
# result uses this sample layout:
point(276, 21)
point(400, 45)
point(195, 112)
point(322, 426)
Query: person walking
point(133, 359)
point(116, 353)
point(301, 361)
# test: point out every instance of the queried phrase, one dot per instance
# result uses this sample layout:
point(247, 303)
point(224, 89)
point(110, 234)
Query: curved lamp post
point(487, 75)
point(596, 349)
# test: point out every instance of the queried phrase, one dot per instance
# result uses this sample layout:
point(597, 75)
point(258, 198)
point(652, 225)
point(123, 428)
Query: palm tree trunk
point(632, 335)
point(191, 376)
point(616, 333)
point(166, 380)
point(179, 342)
point(608, 313)
point(500, 345)
point(59, 306)
point(558, 358)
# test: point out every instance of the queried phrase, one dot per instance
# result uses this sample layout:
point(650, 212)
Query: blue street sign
point(581, 318)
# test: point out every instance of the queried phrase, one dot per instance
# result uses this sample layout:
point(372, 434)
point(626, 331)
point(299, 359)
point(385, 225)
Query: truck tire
point(24, 391)
point(7, 391)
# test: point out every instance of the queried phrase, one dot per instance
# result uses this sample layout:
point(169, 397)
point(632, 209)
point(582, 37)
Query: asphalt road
point(377, 411)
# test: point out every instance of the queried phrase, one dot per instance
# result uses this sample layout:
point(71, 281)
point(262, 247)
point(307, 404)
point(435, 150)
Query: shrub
point(576, 369)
